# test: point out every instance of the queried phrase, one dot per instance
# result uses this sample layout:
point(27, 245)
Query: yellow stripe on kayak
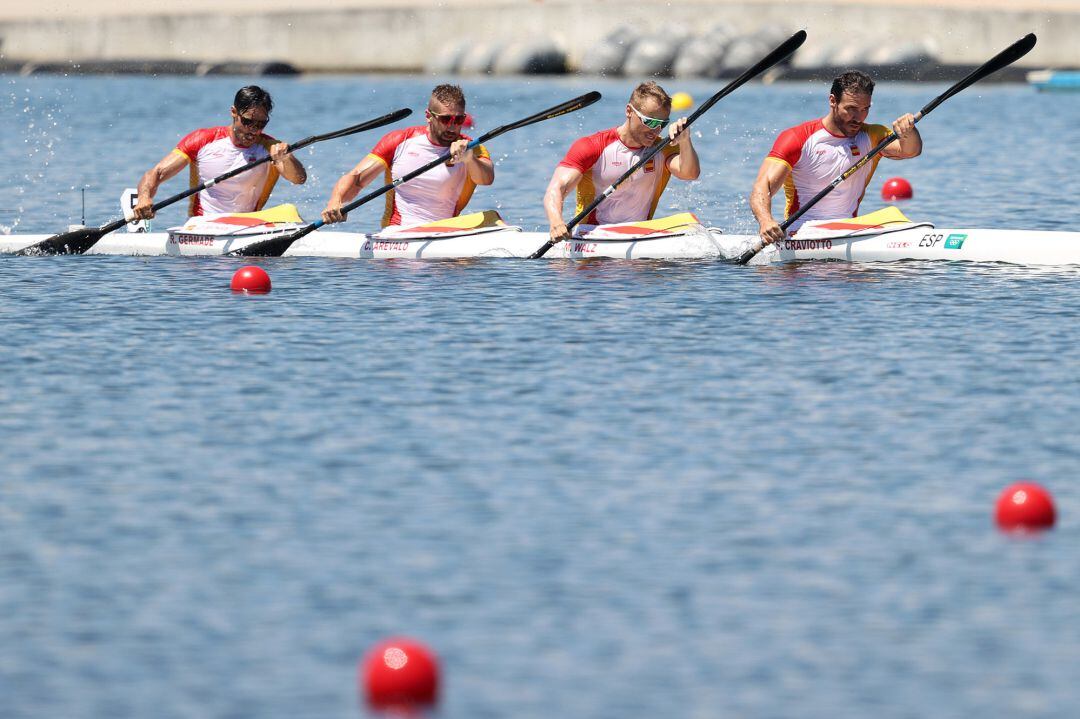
point(648, 227)
point(879, 218)
point(472, 221)
point(271, 215)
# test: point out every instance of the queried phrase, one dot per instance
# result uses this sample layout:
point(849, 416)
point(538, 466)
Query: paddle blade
point(748, 255)
point(274, 246)
point(1003, 59)
point(372, 124)
point(74, 242)
point(578, 103)
point(562, 108)
point(369, 125)
point(264, 248)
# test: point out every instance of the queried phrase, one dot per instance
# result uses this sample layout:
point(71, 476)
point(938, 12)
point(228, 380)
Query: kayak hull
point(917, 242)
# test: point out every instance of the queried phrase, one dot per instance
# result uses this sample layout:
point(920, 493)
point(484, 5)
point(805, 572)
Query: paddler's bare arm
point(287, 165)
point(908, 142)
point(481, 169)
point(770, 179)
point(169, 166)
point(349, 186)
point(563, 181)
point(685, 165)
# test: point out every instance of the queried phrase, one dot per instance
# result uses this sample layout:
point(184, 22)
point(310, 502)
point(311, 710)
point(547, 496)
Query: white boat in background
point(883, 236)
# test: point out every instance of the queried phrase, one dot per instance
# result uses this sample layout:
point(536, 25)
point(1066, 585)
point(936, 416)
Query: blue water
point(602, 489)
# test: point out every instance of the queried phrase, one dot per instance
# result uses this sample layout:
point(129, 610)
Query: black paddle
point(1006, 57)
point(276, 246)
point(782, 51)
point(79, 241)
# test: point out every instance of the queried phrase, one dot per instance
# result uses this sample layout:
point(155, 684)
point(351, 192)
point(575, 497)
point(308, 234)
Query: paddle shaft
point(1006, 57)
point(345, 209)
point(277, 246)
point(782, 51)
point(877, 149)
point(370, 124)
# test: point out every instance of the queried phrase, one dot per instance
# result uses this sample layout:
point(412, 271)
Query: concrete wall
point(403, 37)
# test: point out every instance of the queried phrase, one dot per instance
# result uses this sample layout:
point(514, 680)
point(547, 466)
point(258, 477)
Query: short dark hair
point(253, 96)
point(449, 95)
point(852, 81)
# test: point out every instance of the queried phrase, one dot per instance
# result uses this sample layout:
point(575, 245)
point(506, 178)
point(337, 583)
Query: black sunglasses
point(252, 122)
point(448, 119)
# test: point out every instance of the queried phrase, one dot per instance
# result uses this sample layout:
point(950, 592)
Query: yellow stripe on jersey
point(876, 133)
point(271, 177)
point(586, 193)
point(789, 193)
point(388, 209)
point(480, 152)
point(376, 157)
point(665, 175)
point(193, 181)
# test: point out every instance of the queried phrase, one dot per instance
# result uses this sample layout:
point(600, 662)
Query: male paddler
point(596, 161)
point(437, 194)
point(213, 151)
point(806, 158)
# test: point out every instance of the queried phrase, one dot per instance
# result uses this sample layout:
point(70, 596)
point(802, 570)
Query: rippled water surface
point(599, 489)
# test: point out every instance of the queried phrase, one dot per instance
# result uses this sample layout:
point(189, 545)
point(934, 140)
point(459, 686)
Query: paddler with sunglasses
point(213, 151)
point(437, 194)
point(596, 161)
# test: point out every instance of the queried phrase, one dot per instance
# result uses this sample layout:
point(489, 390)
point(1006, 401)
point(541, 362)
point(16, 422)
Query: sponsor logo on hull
point(385, 245)
point(955, 242)
point(807, 244)
point(185, 239)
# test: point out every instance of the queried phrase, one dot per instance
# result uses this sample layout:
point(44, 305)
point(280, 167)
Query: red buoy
point(1023, 506)
point(469, 122)
point(399, 672)
point(251, 279)
point(896, 188)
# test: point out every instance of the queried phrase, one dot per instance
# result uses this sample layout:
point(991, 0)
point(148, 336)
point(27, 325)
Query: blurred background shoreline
point(922, 40)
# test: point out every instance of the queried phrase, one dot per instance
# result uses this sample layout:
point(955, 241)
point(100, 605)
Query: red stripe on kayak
point(631, 230)
point(639, 230)
point(437, 228)
point(242, 221)
point(846, 226)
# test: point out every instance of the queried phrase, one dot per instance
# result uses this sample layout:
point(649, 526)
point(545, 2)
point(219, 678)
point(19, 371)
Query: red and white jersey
point(211, 152)
point(816, 157)
point(602, 158)
point(437, 194)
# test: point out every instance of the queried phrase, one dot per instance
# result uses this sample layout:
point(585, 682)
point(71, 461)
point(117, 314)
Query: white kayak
point(882, 236)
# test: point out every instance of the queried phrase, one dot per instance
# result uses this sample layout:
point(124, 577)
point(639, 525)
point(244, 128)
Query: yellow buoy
point(681, 101)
